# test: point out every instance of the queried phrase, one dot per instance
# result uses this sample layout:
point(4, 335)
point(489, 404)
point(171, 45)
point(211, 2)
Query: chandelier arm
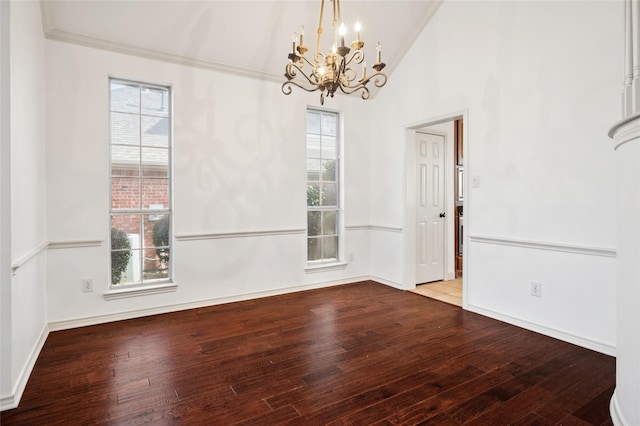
point(349, 90)
point(357, 57)
point(291, 73)
point(348, 76)
point(286, 87)
point(304, 58)
point(379, 79)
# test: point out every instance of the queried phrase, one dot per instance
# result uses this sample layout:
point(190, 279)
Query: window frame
point(153, 285)
point(326, 263)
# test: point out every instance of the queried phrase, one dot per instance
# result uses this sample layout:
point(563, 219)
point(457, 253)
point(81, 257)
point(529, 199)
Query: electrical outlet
point(87, 285)
point(536, 289)
point(352, 257)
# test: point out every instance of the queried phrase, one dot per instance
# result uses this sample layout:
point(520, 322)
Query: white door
point(431, 212)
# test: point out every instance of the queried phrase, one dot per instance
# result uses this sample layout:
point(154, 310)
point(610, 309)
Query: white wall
point(239, 167)
point(5, 206)
point(28, 187)
point(539, 100)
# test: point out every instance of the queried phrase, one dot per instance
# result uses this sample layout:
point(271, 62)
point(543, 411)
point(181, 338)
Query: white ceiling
point(244, 37)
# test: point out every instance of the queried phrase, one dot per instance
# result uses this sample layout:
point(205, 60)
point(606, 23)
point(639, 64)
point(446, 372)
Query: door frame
point(410, 178)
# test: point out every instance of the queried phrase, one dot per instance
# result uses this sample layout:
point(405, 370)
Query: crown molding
point(52, 33)
point(117, 47)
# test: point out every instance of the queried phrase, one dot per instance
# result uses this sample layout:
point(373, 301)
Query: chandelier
point(335, 69)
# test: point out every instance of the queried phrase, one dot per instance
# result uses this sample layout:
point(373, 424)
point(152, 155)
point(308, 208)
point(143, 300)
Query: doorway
point(435, 207)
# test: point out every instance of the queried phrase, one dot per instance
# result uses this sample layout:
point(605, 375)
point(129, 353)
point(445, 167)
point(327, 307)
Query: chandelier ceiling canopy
point(335, 69)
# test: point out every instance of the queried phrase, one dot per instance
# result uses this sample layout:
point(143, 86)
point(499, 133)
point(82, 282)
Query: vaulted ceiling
point(249, 38)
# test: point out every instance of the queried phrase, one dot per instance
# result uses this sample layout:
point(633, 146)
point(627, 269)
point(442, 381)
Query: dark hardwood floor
point(358, 354)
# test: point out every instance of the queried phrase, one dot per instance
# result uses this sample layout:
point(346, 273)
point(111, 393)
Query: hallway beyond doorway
point(444, 291)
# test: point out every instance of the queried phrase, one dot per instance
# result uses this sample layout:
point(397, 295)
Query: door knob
point(443, 214)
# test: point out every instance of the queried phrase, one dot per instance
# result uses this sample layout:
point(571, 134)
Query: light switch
point(475, 181)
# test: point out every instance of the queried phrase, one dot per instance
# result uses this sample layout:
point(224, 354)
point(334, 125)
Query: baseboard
point(7, 402)
point(614, 409)
point(386, 282)
point(551, 332)
point(101, 319)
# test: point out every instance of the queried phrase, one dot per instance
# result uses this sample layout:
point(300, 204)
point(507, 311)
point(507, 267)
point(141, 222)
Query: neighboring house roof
point(140, 125)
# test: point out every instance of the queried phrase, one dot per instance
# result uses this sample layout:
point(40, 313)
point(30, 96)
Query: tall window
point(323, 197)
point(140, 141)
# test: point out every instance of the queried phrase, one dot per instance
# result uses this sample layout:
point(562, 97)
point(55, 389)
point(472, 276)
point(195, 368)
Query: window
point(140, 142)
point(323, 187)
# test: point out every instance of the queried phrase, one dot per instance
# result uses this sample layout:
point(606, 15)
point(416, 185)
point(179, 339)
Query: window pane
point(329, 170)
point(314, 251)
point(313, 169)
point(125, 193)
point(329, 124)
point(155, 162)
point(156, 246)
point(155, 101)
point(313, 223)
point(130, 225)
point(125, 160)
point(329, 223)
point(313, 194)
point(125, 253)
point(313, 146)
point(155, 131)
point(330, 248)
point(132, 273)
point(329, 147)
point(125, 129)
point(125, 97)
point(155, 191)
point(329, 195)
point(313, 122)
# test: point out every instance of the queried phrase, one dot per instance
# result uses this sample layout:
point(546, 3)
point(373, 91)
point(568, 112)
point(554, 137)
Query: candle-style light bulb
point(301, 35)
point(358, 27)
point(293, 39)
point(379, 52)
point(343, 31)
point(364, 70)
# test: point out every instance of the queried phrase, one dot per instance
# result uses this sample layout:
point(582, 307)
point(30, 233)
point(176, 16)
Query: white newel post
point(625, 403)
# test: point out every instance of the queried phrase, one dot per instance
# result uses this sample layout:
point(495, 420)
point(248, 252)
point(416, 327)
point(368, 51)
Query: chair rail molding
point(28, 257)
point(241, 234)
point(542, 245)
point(55, 245)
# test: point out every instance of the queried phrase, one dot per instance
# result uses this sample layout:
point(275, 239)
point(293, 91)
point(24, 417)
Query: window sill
point(323, 267)
point(132, 291)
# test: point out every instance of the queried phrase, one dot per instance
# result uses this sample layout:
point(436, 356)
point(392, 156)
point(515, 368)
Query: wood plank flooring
point(358, 354)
